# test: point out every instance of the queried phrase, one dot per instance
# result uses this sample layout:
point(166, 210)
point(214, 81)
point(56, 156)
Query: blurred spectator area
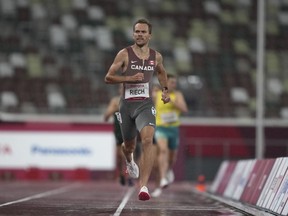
point(54, 54)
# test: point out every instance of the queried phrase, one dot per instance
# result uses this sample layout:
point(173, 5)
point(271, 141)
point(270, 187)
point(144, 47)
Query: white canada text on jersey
point(142, 68)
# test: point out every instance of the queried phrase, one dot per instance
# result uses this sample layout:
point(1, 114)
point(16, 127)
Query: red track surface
point(103, 198)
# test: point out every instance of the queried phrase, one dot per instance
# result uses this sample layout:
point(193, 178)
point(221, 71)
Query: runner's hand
point(137, 77)
point(165, 96)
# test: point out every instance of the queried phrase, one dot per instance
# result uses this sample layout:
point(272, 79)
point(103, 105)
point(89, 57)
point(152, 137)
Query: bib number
point(169, 117)
point(138, 90)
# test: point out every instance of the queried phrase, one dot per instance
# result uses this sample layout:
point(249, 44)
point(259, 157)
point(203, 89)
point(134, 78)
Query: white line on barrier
point(41, 195)
point(124, 201)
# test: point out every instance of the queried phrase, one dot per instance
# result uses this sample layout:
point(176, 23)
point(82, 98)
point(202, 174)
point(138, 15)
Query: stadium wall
point(43, 150)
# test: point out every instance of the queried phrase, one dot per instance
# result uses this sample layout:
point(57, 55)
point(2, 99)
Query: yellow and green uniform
point(167, 114)
point(167, 120)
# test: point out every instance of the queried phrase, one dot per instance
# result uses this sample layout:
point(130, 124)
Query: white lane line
point(124, 201)
point(44, 194)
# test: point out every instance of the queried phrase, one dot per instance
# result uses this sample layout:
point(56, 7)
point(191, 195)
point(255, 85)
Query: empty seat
point(96, 13)
point(79, 4)
point(284, 112)
point(6, 70)
point(8, 8)
point(18, 60)
point(34, 64)
point(212, 7)
point(69, 22)
point(274, 86)
point(103, 36)
point(56, 100)
point(58, 37)
point(239, 95)
point(8, 99)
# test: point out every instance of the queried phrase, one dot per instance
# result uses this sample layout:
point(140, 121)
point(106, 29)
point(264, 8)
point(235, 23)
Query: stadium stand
point(54, 54)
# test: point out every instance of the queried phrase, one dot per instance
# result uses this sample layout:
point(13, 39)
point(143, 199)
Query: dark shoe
point(130, 182)
point(122, 180)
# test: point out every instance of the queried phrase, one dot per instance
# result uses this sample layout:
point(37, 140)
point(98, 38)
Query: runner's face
point(172, 83)
point(141, 34)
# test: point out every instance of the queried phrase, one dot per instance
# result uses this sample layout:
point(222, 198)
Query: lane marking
point(124, 201)
point(44, 194)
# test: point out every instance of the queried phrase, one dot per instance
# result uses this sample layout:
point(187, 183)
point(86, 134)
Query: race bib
point(136, 90)
point(169, 117)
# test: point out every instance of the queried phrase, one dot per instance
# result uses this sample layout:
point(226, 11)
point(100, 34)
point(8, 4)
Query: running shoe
point(157, 192)
point(170, 176)
point(132, 168)
point(164, 183)
point(130, 182)
point(122, 180)
point(144, 194)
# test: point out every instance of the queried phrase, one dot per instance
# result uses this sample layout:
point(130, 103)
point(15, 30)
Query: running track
point(106, 198)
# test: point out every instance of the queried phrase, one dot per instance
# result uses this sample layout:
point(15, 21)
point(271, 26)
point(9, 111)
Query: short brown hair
point(143, 21)
point(169, 75)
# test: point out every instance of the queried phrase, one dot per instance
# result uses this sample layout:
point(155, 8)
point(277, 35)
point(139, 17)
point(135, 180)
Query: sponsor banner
point(263, 183)
point(235, 178)
point(252, 181)
point(57, 150)
point(219, 177)
point(281, 192)
point(283, 196)
point(243, 179)
point(274, 187)
point(261, 180)
point(285, 209)
point(284, 202)
point(226, 177)
point(264, 194)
